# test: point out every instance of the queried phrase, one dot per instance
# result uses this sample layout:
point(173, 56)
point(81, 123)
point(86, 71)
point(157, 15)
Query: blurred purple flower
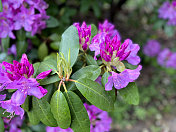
point(109, 29)
point(163, 56)
point(30, 14)
point(84, 33)
point(168, 11)
point(171, 62)
point(121, 80)
point(152, 48)
point(12, 50)
point(2, 97)
point(100, 121)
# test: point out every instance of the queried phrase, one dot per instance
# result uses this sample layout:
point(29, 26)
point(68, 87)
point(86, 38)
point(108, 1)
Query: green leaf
point(42, 51)
point(90, 60)
point(130, 94)
point(1, 125)
point(33, 118)
point(49, 80)
point(50, 88)
point(93, 30)
point(60, 110)
point(47, 65)
point(91, 72)
point(70, 40)
point(55, 45)
point(79, 116)
point(21, 48)
point(3, 56)
point(52, 22)
point(169, 30)
point(43, 112)
point(25, 106)
point(5, 43)
point(95, 94)
point(1, 8)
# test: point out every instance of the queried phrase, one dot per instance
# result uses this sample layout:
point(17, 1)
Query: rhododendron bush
point(60, 73)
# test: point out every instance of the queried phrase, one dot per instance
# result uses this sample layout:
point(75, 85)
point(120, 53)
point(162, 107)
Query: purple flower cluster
point(13, 124)
point(99, 121)
point(27, 14)
point(84, 33)
point(168, 11)
point(167, 58)
point(19, 76)
point(107, 44)
point(152, 48)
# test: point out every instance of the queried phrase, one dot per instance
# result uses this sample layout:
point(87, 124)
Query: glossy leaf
point(42, 51)
point(90, 60)
point(130, 94)
point(5, 42)
point(52, 22)
point(1, 8)
point(25, 106)
point(104, 78)
point(49, 80)
point(1, 125)
point(79, 116)
point(91, 72)
point(36, 68)
point(60, 110)
point(70, 40)
point(33, 118)
point(95, 94)
point(43, 110)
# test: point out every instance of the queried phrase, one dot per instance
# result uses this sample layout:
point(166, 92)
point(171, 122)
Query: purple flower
point(24, 68)
point(11, 108)
point(12, 50)
point(109, 29)
point(17, 14)
point(100, 121)
point(84, 33)
point(13, 124)
point(96, 41)
point(171, 62)
point(152, 48)
point(2, 97)
point(57, 129)
point(168, 11)
point(121, 80)
point(163, 56)
point(24, 19)
point(25, 87)
point(43, 74)
point(133, 58)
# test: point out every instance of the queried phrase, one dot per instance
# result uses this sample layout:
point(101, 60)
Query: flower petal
point(43, 74)
point(18, 98)
point(37, 92)
point(109, 84)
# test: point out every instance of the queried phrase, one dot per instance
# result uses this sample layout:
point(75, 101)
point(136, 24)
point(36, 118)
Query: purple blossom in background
point(121, 80)
point(163, 56)
point(84, 33)
point(109, 29)
point(99, 121)
point(12, 50)
point(152, 48)
point(30, 14)
point(13, 124)
point(168, 11)
point(2, 97)
point(19, 75)
point(171, 62)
